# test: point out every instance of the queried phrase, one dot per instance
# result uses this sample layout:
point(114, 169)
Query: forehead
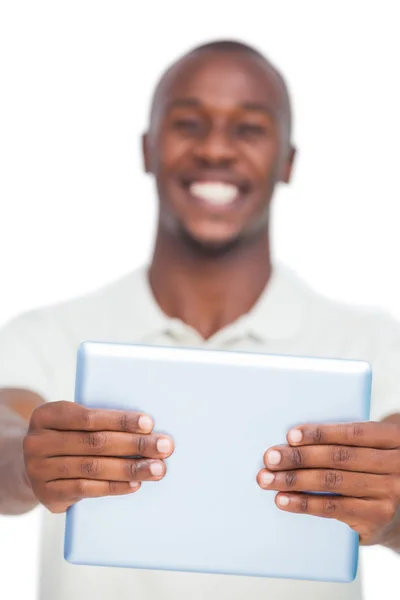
point(222, 80)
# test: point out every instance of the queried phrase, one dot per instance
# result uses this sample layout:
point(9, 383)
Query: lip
point(214, 208)
point(242, 184)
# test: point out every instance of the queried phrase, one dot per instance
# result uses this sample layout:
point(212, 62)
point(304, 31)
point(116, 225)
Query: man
point(218, 143)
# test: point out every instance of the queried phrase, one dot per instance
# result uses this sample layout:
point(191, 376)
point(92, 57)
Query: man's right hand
point(72, 452)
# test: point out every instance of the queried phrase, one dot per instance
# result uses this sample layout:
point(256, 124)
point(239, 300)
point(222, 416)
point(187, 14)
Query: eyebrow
point(259, 107)
point(191, 102)
point(195, 102)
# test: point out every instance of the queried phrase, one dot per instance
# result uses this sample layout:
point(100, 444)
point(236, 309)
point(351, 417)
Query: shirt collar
point(277, 315)
point(280, 310)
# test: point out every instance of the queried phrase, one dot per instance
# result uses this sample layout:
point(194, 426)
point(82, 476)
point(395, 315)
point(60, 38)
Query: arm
point(394, 540)
point(16, 407)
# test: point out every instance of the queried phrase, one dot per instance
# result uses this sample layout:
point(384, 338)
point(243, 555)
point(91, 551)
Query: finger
point(369, 435)
point(358, 485)
point(346, 458)
point(352, 511)
point(103, 469)
point(68, 416)
point(64, 492)
point(104, 443)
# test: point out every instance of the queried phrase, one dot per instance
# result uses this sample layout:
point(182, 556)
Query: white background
point(76, 211)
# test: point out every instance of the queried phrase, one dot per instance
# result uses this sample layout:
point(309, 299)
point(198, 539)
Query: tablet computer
point(224, 410)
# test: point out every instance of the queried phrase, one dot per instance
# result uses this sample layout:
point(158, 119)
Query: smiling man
point(218, 144)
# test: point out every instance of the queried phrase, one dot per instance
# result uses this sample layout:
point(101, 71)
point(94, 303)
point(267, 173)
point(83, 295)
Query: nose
point(215, 150)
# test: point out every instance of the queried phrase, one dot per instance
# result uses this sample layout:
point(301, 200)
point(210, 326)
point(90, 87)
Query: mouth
point(215, 194)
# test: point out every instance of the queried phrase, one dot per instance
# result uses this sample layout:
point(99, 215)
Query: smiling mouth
point(215, 193)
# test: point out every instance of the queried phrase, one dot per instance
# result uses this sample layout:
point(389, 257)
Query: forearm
point(16, 497)
point(393, 542)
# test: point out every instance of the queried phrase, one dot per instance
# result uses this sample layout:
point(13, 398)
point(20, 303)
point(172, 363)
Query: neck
point(208, 292)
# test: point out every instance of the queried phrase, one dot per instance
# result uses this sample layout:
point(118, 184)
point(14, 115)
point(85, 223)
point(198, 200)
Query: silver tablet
point(223, 410)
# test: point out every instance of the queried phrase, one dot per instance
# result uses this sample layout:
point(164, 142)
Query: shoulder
point(337, 329)
point(72, 314)
point(326, 316)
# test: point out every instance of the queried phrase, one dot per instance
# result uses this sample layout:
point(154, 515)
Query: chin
point(210, 246)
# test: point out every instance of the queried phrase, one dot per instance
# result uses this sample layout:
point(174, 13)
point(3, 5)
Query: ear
point(288, 166)
point(146, 153)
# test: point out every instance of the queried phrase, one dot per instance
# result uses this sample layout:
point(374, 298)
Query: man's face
point(217, 146)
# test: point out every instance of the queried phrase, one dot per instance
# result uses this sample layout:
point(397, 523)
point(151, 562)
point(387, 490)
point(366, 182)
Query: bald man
point(218, 144)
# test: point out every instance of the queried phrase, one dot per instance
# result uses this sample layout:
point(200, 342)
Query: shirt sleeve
point(24, 358)
point(385, 346)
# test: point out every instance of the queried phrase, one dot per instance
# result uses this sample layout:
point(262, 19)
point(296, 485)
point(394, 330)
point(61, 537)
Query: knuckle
point(341, 454)
point(296, 457)
point(131, 468)
point(316, 435)
point(331, 480)
point(79, 489)
point(90, 467)
point(357, 431)
point(303, 504)
point(63, 470)
point(142, 444)
point(113, 487)
point(330, 506)
point(290, 478)
point(87, 418)
point(351, 512)
point(124, 422)
point(63, 437)
point(389, 510)
point(381, 457)
point(96, 440)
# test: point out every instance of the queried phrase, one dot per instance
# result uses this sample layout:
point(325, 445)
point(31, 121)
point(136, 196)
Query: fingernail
point(134, 485)
point(164, 445)
point(156, 469)
point(295, 436)
point(274, 457)
point(145, 423)
point(283, 500)
point(267, 478)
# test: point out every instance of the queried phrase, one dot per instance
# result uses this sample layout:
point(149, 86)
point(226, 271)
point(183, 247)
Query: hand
point(72, 452)
point(360, 462)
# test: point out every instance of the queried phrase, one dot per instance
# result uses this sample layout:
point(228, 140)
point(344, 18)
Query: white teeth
point(217, 194)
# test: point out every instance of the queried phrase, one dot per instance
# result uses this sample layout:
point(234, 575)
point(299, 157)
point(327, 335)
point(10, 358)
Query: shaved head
point(229, 48)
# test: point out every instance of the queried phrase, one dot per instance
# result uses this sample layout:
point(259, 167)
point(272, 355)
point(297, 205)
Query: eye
point(250, 130)
point(187, 126)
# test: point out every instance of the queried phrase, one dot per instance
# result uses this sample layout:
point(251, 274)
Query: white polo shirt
point(38, 352)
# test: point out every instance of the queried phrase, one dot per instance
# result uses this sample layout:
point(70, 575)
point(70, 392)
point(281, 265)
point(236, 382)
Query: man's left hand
point(359, 463)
